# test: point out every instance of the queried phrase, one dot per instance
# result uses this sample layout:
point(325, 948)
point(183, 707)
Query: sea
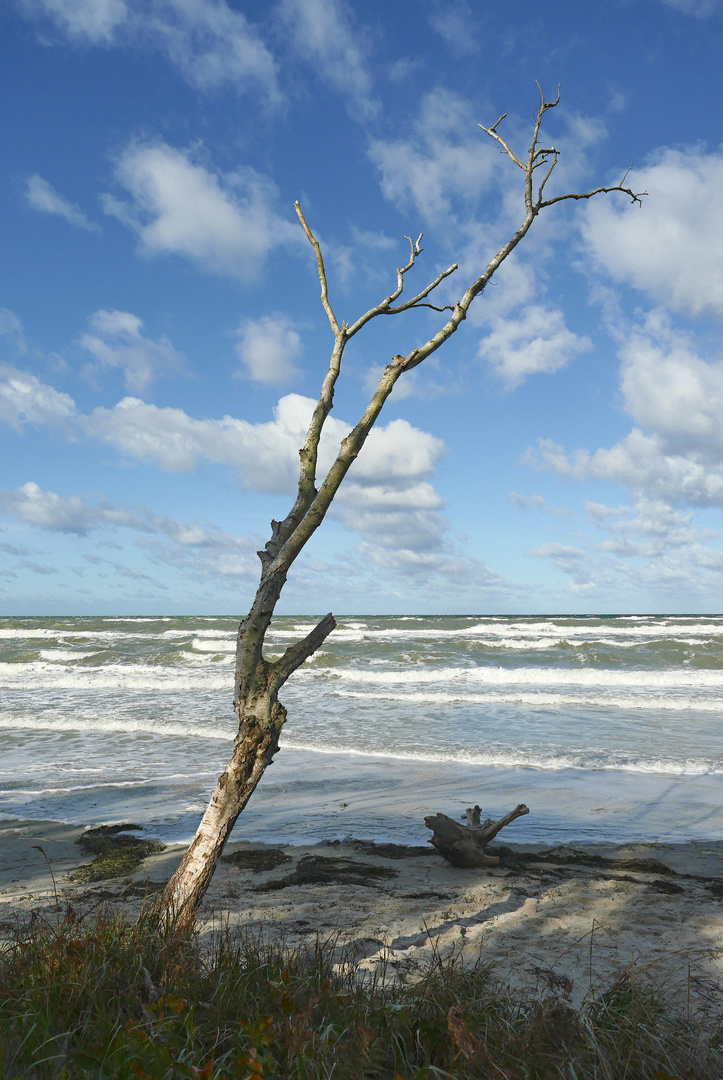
point(607, 727)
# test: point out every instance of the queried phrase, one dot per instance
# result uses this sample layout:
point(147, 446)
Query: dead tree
point(258, 680)
point(464, 845)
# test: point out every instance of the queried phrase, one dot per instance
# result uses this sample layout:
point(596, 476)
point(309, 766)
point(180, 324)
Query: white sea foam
point(542, 700)
point(168, 678)
point(66, 655)
point(533, 676)
point(213, 645)
point(207, 666)
point(135, 782)
point(126, 696)
point(536, 635)
point(512, 758)
point(516, 759)
point(124, 725)
point(30, 633)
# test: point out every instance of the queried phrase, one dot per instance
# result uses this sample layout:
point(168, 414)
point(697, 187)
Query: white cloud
point(537, 341)
point(26, 400)
point(397, 452)
point(525, 502)
point(401, 516)
point(670, 390)
point(648, 529)
point(560, 552)
point(671, 248)
point(537, 502)
point(265, 453)
point(47, 510)
point(700, 9)
point(199, 549)
point(41, 196)
point(454, 22)
point(116, 340)
point(455, 574)
point(386, 496)
point(321, 31)
point(403, 530)
point(650, 547)
point(571, 561)
point(12, 328)
point(668, 387)
point(95, 21)
point(445, 158)
point(268, 348)
point(209, 42)
point(227, 224)
point(640, 462)
point(514, 286)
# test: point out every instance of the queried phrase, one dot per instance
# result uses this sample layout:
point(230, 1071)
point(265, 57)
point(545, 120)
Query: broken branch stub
point(464, 845)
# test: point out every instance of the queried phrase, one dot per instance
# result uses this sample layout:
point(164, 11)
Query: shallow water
point(609, 728)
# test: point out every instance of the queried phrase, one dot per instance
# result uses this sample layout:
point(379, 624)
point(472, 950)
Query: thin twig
point(320, 264)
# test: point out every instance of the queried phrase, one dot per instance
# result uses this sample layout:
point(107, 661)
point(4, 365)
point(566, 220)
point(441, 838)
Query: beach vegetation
point(98, 997)
point(258, 679)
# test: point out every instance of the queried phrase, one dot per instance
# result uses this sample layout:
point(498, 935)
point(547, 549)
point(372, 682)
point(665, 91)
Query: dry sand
point(548, 923)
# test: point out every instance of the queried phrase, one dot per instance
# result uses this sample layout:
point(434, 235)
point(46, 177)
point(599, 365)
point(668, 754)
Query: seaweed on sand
point(258, 860)
point(321, 870)
point(116, 853)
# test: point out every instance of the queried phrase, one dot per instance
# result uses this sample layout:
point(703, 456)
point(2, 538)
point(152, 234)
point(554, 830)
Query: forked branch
point(312, 504)
point(539, 156)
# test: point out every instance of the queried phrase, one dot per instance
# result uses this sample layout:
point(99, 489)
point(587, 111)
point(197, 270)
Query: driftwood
point(464, 845)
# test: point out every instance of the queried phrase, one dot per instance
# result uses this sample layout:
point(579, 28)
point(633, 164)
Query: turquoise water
point(609, 728)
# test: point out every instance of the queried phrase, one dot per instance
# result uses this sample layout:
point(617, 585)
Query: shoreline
point(333, 795)
point(568, 918)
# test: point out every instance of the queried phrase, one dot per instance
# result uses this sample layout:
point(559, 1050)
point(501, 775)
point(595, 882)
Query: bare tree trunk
point(261, 717)
point(258, 681)
point(253, 752)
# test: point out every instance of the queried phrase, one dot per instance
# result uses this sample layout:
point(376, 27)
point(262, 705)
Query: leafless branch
point(320, 264)
point(415, 249)
point(412, 307)
point(506, 148)
point(539, 156)
point(636, 197)
point(548, 174)
point(415, 302)
point(296, 654)
point(545, 105)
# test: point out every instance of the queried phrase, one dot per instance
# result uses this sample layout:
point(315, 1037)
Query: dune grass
point(99, 997)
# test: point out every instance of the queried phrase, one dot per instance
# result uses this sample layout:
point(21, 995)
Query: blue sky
point(161, 336)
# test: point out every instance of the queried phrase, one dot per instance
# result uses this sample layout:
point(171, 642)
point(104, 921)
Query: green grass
point(98, 997)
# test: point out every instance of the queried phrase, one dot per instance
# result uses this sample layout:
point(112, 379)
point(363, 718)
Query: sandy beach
point(567, 918)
